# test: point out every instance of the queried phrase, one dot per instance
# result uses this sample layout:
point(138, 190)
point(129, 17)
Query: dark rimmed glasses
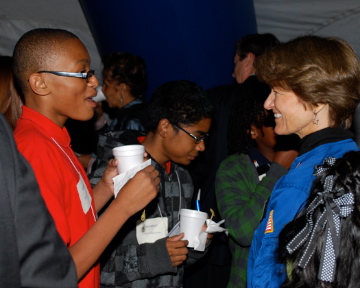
point(198, 139)
point(85, 75)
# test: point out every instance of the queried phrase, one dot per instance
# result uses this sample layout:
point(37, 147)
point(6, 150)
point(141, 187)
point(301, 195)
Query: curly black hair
point(248, 110)
point(180, 102)
point(346, 275)
point(126, 68)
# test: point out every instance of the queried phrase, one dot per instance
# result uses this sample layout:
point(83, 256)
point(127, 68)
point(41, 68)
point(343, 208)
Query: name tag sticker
point(84, 195)
point(152, 229)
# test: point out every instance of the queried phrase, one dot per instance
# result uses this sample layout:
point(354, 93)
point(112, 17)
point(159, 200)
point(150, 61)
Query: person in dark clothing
point(10, 103)
point(124, 87)
point(32, 253)
point(245, 178)
point(180, 118)
point(203, 170)
point(125, 84)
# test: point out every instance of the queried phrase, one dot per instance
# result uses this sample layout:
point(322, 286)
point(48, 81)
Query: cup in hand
point(191, 223)
point(128, 156)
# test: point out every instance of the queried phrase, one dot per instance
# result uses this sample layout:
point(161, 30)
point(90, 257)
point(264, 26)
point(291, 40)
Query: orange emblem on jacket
point(270, 223)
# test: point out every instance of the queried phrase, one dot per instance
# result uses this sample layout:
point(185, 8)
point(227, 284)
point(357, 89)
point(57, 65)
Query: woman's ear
point(122, 87)
point(38, 85)
point(163, 127)
point(319, 107)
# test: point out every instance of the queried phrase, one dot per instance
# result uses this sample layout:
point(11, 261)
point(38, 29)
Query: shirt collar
point(324, 136)
point(168, 164)
point(49, 127)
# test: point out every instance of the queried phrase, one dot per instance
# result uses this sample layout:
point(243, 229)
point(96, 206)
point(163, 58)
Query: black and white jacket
point(125, 263)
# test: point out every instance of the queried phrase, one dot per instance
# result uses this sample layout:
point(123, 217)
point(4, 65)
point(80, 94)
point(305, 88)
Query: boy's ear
point(38, 84)
point(163, 127)
point(253, 132)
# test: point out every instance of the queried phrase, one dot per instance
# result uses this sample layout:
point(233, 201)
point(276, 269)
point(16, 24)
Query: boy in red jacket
point(52, 68)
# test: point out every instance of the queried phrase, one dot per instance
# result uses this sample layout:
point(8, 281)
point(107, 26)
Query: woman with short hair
point(315, 89)
point(124, 86)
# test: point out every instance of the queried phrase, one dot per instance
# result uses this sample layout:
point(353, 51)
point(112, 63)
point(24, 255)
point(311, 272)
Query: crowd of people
point(273, 154)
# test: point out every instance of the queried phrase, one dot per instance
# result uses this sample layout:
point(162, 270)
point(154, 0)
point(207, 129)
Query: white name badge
point(84, 195)
point(152, 229)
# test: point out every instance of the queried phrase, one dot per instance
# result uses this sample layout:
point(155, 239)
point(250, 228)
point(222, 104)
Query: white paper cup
point(128, 156)
point(191, 223)
point(100, 95)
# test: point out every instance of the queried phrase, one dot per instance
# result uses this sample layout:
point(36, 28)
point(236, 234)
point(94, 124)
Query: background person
point(124, 86)
point(203, 170)
point(10, 103)
point(245, 179)
point(32, 254)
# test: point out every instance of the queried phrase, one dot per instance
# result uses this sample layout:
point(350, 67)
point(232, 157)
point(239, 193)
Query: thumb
point(113, 162)
point(176, 237)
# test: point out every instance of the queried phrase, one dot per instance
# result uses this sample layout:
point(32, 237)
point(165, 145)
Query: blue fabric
point(174, 36)
point(288, 197)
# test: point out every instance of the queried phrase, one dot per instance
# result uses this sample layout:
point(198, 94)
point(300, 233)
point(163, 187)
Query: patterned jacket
point(127, 264)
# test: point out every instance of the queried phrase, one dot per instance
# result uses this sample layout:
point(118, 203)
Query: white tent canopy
point(20, 16)
point(290, 18)
point(284, 18)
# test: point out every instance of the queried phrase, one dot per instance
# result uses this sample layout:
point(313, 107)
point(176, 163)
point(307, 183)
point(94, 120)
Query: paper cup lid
point(128, 150)
point(193, 213)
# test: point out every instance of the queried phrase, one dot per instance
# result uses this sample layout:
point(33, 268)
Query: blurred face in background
point(243, 67)
point(111, 92)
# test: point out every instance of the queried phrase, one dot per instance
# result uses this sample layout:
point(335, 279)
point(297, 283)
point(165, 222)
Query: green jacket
point(241, 197)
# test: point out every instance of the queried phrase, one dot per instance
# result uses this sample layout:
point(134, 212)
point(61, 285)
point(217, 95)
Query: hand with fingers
point(177, 249)
point(110, 172)
point(139, 190)
point(209, 235)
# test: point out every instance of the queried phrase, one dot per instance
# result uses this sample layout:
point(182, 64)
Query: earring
point(121, 100)
point(315, 120)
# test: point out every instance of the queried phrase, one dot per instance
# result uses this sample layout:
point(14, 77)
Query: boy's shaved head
point(35, 51)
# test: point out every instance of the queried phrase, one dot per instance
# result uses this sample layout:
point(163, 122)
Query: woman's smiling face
point(291, 114)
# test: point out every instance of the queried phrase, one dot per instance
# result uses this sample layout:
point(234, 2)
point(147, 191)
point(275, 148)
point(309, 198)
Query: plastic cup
point(100, 95)
point(128, 156)
point(191, 223)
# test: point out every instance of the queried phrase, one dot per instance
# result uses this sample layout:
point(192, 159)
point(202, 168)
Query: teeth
point(277, 115)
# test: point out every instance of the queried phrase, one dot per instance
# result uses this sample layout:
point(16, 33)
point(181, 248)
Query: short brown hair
point(318, 70)
point(34, 51)
point(256, 44)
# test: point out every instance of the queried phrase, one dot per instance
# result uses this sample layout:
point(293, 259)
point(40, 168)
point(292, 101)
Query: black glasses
point(196, 138)
point(85, 75)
